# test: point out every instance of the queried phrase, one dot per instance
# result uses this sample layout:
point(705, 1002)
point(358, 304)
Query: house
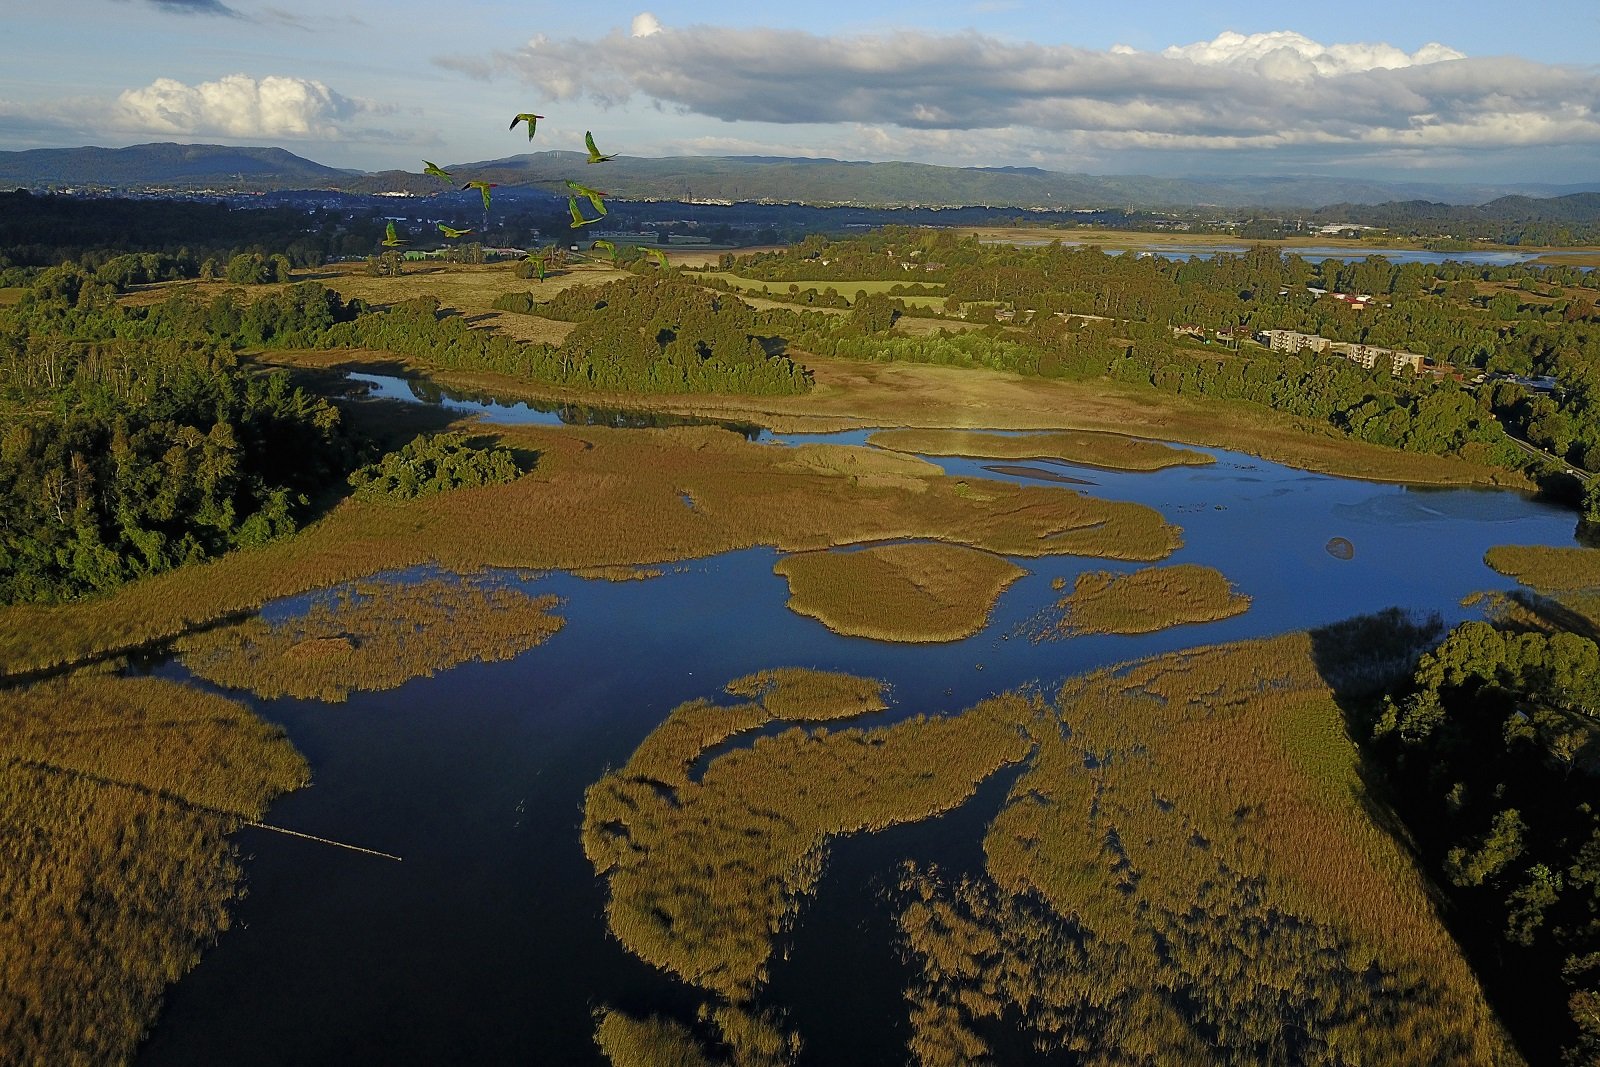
point(1293, 342)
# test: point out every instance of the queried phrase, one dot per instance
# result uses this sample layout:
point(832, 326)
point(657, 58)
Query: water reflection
point(532, 412)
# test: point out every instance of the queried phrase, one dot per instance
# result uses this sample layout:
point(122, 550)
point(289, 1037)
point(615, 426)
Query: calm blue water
point(1482, 258)
point(487, 944)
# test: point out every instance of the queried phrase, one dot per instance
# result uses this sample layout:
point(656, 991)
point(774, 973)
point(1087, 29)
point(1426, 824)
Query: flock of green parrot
point(595, 197)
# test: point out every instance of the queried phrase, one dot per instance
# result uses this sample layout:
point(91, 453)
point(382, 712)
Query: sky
point(1470, 90)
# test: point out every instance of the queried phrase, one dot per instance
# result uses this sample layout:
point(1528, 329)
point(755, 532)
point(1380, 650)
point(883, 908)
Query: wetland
point(540, 802)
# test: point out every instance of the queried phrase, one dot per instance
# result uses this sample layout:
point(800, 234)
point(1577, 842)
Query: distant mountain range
point(760, 179)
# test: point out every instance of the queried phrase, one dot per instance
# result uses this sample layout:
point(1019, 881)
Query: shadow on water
point(430, 394)
point(842, 976)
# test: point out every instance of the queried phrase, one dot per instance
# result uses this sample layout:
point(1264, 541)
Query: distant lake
point(488, 943)
point(1482, 258)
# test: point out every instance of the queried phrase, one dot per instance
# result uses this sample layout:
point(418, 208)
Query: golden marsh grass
point(371, 636)
point(602, 497)
point(1146, 600)
point(1570, 576)
point(115, 798)
point(912, 593)
point(703, 875)
point(1210, 802)
point(1090, 449)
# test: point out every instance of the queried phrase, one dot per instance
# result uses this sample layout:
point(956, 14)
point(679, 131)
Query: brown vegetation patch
point(1569, 576)
point(373, 635)
point(115, 798)
point(617, 573)
point(602, 497)
point(1191, 876)
point(915, 593)
point(704, 875)
point(1109, 450)
point(1150, 599)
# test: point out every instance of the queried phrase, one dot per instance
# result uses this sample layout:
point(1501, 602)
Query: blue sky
point(1466, 90)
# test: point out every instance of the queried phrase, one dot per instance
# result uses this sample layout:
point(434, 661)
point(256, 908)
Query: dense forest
point(136, 442)
point(1182, 326)
point(1490, 754)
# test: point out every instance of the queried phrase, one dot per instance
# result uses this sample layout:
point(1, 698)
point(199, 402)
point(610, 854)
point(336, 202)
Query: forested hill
point(736, 178)
point(166, 164)
point(1533, 220)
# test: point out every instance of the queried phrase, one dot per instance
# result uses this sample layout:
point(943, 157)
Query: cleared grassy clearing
point(371, 636)
point(1108, 450)
point(911, 593)
point(1150, 599)
point(115, 798)
point(603, 497)
point(12, 295)
point(846, 288)
point(703, 875)
point(1191, 876)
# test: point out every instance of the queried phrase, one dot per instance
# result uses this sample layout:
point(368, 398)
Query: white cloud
point(239, 106)
point(1264, 91)
point(1288, 55)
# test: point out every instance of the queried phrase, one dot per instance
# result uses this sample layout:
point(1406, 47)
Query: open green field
point(11, 296)
point(847, 288)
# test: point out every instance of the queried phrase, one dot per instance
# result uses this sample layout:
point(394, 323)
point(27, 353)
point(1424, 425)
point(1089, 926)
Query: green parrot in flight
point(610, 249)
point(392, 241)
point(539, 264)
point(530, 118)
point(437, 171)
point(577, 216)
point(595, 196)
point(656, 254)
point(482, 187)
point(594, 153)
point(451, 231)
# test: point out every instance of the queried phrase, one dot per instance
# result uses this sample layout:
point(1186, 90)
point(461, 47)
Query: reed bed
point(704, 876)
point(1191, 875)
point(909, 593)
point(1087, 448)
point(1569, 576)
point(373, 635)
point(754, 1039)
point(1149, 599)
point(116, 796)
point(602, 497)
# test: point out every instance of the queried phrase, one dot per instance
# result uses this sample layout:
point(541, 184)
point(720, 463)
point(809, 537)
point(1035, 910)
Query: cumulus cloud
point(1266, 90)
point(1286, 54)
point(239, 106)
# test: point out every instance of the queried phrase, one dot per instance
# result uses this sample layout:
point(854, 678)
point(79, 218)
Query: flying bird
point(594, 153)
point(451, 231)
point(577, 216)
point(437, 171)
point(531, 119)
point(608, 246)
point(391, 241)
point(539, 264)
point(656, 254)
point(595, 196)
point(482, 187)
